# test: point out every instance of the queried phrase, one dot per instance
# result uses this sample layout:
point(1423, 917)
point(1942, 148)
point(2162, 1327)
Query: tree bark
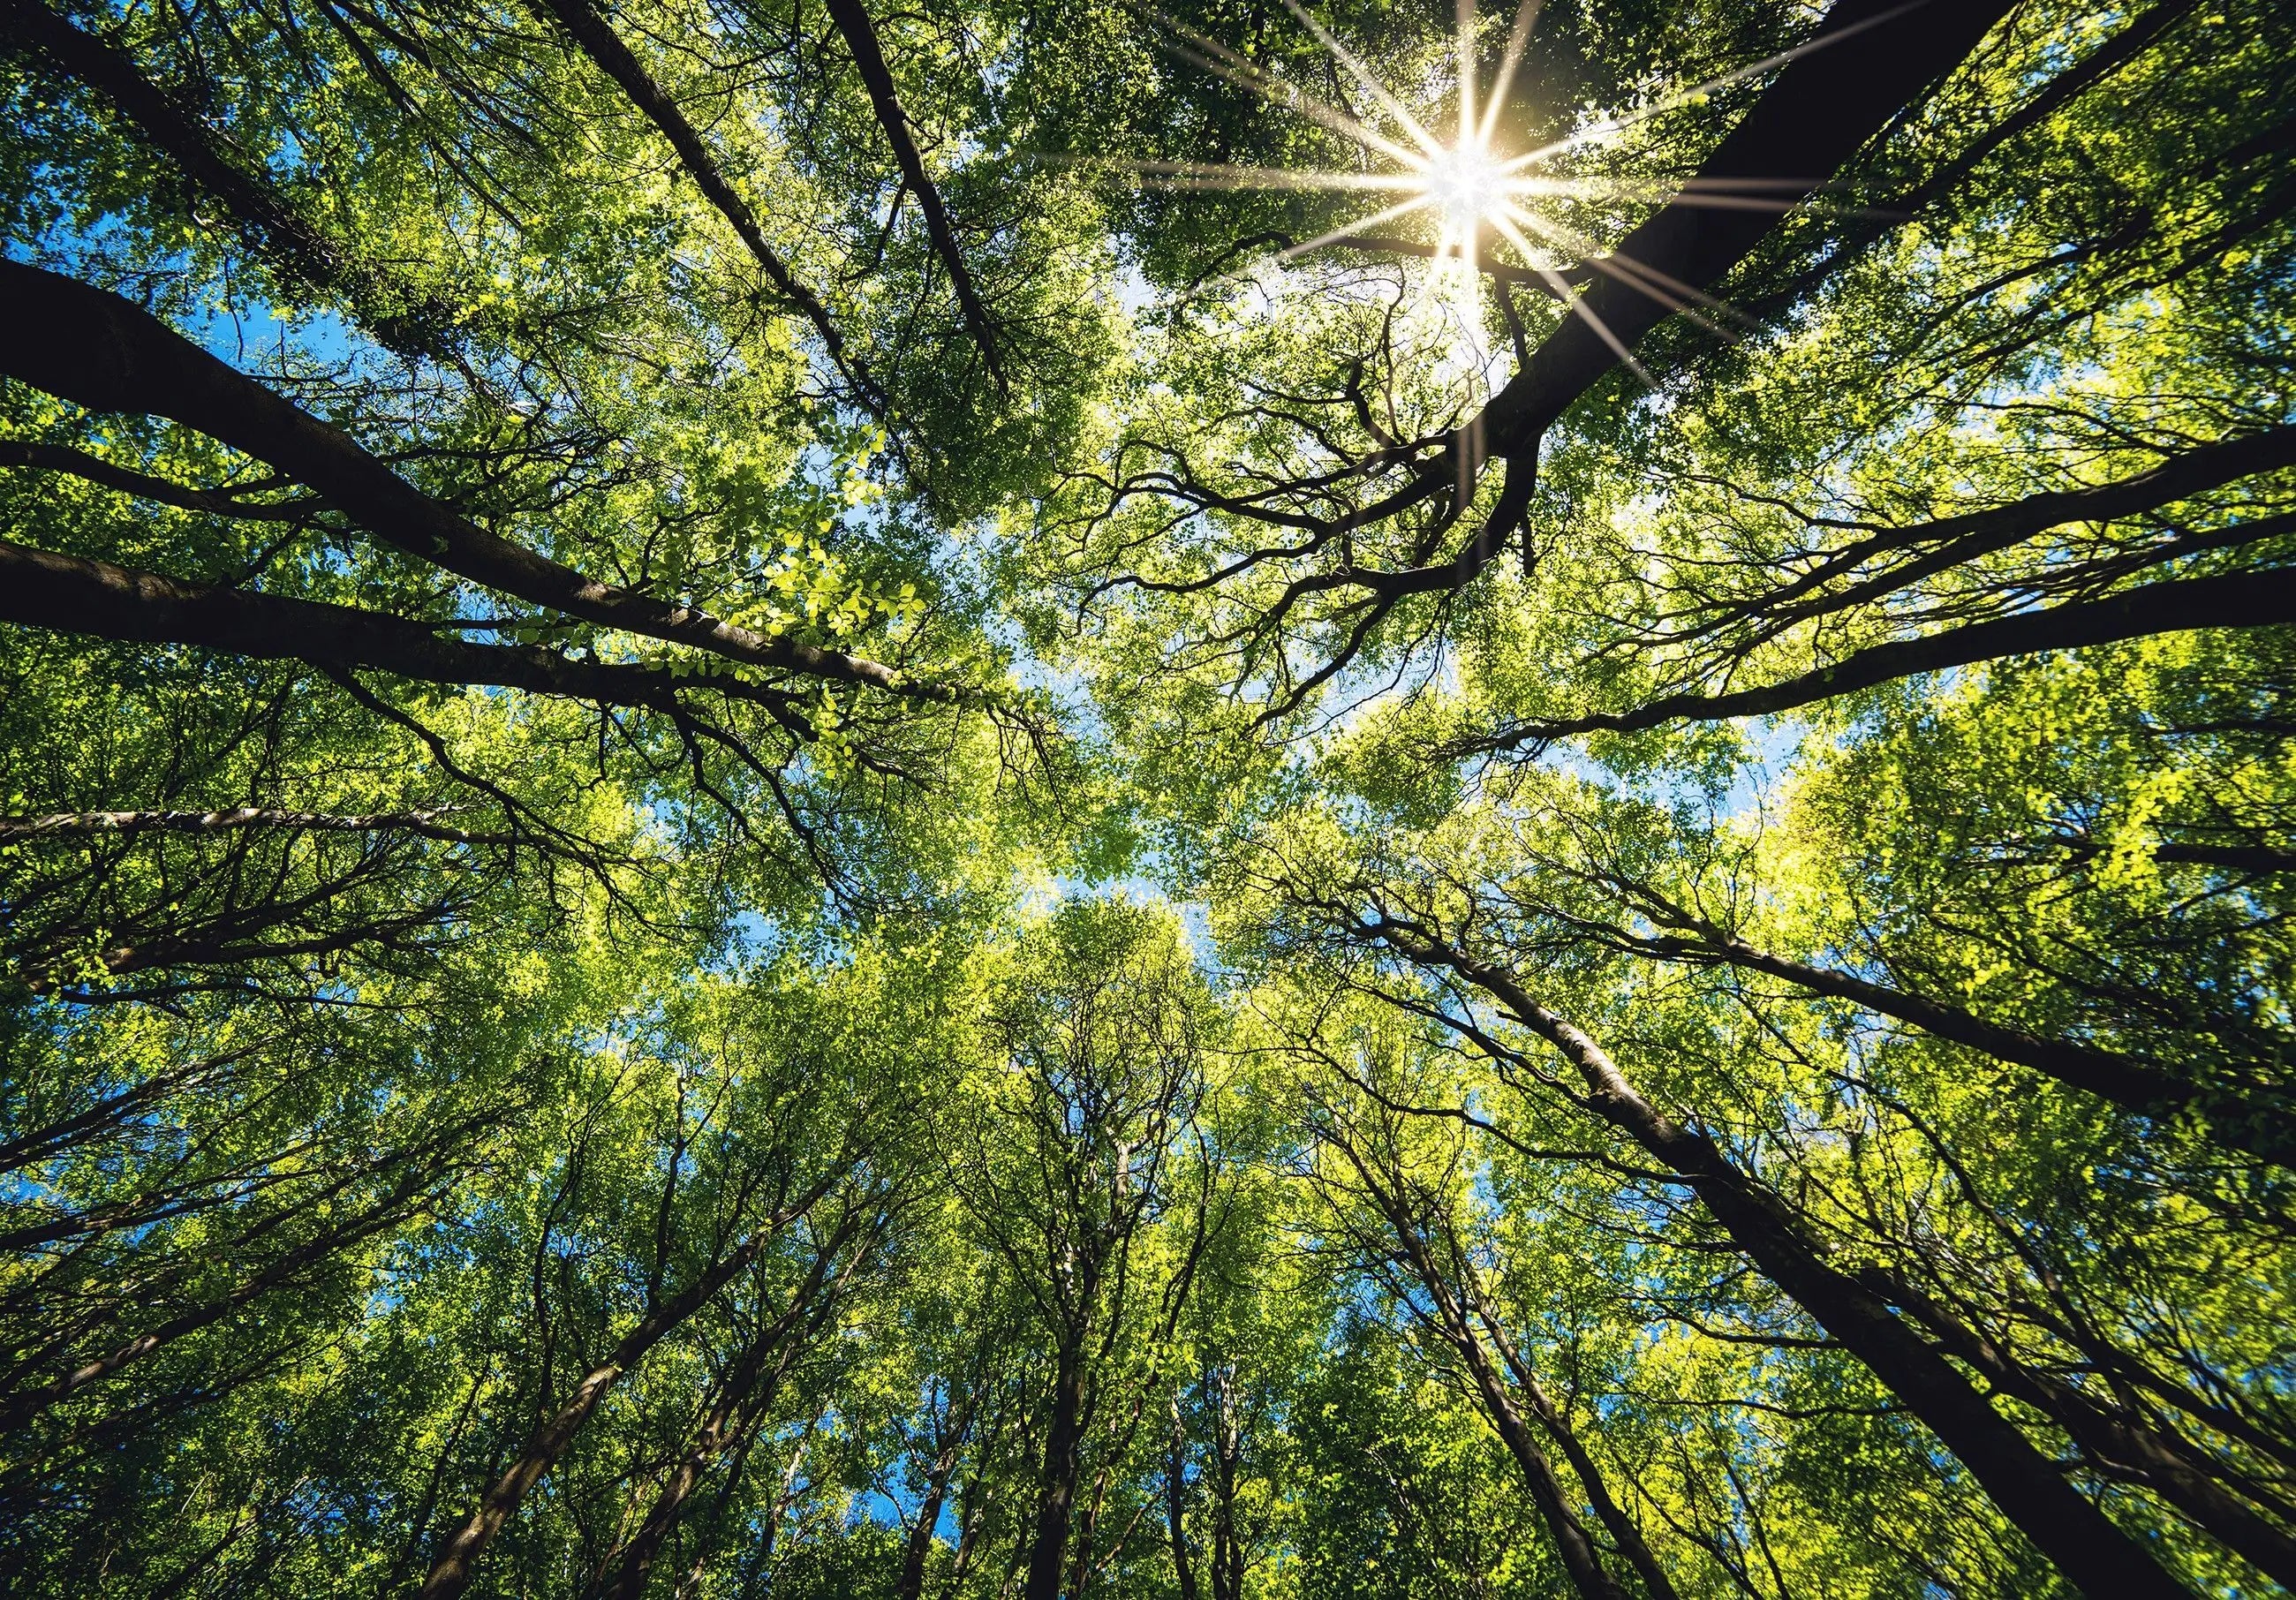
point(860, 34)
point(2027, 1486)
point(450, 1573)
point(69, 594)
point(99, 351)
point(2267, 1127)
point(2262, 599)
point(1056, 1500)
point(1656, 1584)
point(605, 47)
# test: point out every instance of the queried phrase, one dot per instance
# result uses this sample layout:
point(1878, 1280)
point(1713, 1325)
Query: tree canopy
point(1279, 800)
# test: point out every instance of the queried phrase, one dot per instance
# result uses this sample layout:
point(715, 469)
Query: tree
point(1239, 801)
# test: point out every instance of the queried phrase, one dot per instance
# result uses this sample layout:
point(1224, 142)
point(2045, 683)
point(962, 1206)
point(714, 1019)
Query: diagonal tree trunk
point(450, 1573)
point(2025, 1485)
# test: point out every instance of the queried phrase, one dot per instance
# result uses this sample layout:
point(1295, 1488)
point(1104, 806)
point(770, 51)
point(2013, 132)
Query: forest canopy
point(1280, 801)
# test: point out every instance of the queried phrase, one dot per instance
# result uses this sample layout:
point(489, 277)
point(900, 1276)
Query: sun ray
point(1403, 210)
point(1215, 174)
point(1364, 75)
point(1562, 289)
point(1470, 189)
point(1217, 59)
point(1671, 293)
point(1469, 136)
point(1526, 18)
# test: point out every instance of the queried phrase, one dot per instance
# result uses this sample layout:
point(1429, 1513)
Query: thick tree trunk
point(1056, 1499)
point(1810, 120)
point(71, 594)
point(2027, 1486)
point(108, 354)
point(2126, 1445)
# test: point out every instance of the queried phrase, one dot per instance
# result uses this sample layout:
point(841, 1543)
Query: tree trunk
point(451, 1572)
point(2027, 1486)
point(1623, 1533)
point(2261, 599)
point(108, 354)
point(1176, 1491)
point(1056, 1502)
point(1580, 1559)
point(2263, 1122)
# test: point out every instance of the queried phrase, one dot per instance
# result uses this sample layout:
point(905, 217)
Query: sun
point(1477, 196)
point(1468, 185)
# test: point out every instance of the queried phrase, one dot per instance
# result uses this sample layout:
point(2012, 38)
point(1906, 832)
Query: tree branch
point(861, 38)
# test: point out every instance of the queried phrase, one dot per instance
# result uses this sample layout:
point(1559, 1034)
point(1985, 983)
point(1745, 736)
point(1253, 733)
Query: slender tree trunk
point(1056, 1502)
point(1551, 1417)
point(1227, 1448)
point(911, 1585)
point(741, 1401)
point(21, 1407)
point(2263, 1121)
point(1175, 1496)
point(1580, 1559)
point(852, 21)
point(451, 1572)
point(2261, 599)
point(2027, 1486)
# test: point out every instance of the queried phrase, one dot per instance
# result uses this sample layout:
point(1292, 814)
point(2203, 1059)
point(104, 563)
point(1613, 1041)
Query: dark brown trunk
point(861, 38)
point(106, 353)
point(1581, 1561)
point(1056, 1500)
point(2257, 1120)
point(451, 1572)
point(70, 594)
point(741, 1401)
point(1628, 1538)
point(2261, 599)
point(1812, 118)
point(1175, 1501)
point(2129, 1448)
point(2028, 1487)
point(605, 47)
point(911, 1585)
